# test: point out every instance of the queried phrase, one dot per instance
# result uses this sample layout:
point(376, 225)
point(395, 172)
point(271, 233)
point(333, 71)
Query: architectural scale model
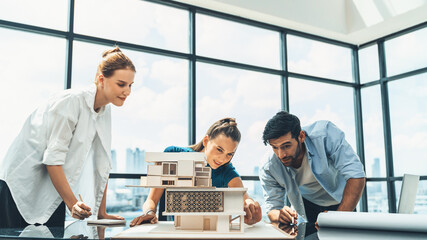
point(183, 169)
point(190, 197)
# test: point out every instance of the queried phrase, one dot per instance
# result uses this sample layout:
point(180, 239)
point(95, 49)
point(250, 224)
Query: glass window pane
point(408, 114)
point(43, 13)
point(369, 64)
point(377, 196)
point(319, 59)
point(32, 69)
point(125, 201)
point(373, 134)
point(421, 199)
point(133, 21)
point(237, 42)
point(311, 101)
point(407, 52)
point(252, 98)
point(155, 114)
point(255, 192)
point(86, 58)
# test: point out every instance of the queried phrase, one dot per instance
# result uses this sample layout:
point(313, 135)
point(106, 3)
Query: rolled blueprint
point(374, 221)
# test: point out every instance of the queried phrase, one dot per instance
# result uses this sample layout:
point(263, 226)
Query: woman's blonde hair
point(226, 126)
point(112, 60)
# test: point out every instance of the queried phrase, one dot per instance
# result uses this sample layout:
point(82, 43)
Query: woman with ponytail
point(64, 150)
point(219, 144)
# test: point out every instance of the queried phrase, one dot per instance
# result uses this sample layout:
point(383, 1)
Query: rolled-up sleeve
point(61, 122)
point(274, 194)
point(342, 154)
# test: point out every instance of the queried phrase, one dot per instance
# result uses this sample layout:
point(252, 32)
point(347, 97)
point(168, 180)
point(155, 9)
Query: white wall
point(233, 201)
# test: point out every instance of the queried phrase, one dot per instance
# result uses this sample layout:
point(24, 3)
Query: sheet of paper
point(107, 222)
point(374, 221)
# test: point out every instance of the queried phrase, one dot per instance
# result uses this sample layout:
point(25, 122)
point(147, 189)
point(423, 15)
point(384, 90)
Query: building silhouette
point(257, 191)
point(376, 172)
point(376, 168)
point(135, 161)
point(114, 160)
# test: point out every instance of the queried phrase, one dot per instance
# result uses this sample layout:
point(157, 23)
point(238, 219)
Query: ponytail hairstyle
point(112, 60)
point(226, 126)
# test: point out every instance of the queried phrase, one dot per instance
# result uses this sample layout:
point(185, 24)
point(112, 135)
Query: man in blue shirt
point(314, 167)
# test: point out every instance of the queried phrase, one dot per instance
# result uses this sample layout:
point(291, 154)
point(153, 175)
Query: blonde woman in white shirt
point(63, 150)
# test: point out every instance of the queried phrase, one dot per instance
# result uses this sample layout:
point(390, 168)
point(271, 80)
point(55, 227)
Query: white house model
point(190, 197)
point(182, 169)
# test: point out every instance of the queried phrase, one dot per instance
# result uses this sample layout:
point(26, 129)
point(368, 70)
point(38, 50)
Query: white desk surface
point(166, 230)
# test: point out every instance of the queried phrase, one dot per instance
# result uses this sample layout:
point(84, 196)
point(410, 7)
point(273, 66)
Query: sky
point(155, 116)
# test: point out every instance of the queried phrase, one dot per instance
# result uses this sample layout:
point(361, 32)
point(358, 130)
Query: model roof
point(174, 156)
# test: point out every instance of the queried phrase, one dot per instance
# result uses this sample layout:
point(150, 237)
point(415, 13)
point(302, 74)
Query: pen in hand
point(83, 211)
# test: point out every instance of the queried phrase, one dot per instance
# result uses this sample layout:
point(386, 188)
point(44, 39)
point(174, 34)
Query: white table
point(166, 230)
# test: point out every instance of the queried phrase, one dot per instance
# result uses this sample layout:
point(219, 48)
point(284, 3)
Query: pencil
point(81, 199)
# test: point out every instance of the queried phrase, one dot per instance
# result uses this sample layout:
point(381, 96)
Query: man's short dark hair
point(281, 124)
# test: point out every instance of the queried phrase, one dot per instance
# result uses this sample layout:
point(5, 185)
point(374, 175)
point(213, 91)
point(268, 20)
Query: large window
point(369, 64)
point(373, 132)
point(250, 97)
point(408, 113)
point(313, 101)
point(133, 21)
point(217, 38)
point(406, 53)
point(377, 196)
point(320, 59)
point(42, 13)
point(237, 69)
point(394, 116)
point(32, 69)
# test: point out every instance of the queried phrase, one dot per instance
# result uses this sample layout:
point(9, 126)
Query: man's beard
point(295, 156)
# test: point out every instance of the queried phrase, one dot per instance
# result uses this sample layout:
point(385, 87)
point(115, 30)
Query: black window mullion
point(69, 45)
point(284, 93)
point(387, 128)
point(359, 122)
point(192, 80)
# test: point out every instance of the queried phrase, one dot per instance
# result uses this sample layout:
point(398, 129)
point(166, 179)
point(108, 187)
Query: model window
point(172, 170)
point(168, 182)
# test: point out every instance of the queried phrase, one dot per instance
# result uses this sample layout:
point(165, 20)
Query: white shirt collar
point(89, 95)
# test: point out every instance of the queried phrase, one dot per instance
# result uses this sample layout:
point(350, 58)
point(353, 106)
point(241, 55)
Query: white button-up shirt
point(65, 131)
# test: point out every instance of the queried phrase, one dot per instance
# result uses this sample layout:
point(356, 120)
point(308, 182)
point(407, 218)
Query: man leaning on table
point(314, 167)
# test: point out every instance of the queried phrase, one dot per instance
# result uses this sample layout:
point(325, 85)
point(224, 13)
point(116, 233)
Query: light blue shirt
point(331, 158)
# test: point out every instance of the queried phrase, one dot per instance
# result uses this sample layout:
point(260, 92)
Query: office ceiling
point(351, 21)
